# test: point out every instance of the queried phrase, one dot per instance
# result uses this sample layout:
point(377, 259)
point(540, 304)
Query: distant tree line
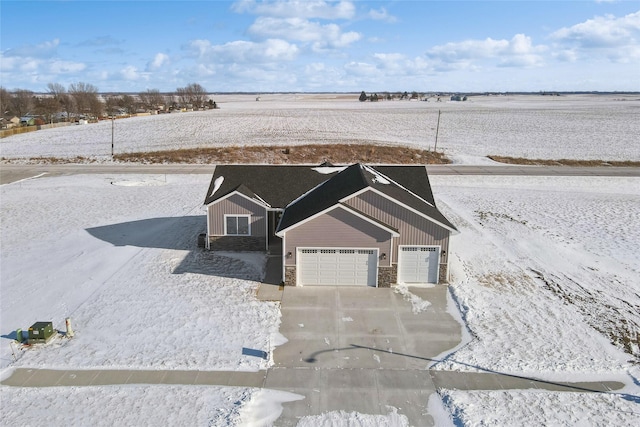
point(388, 96)
point(82, 100)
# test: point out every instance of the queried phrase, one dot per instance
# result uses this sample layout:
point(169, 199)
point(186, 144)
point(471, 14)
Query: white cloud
point(362, 69)
point(297, 8)
point(397, 64)
point(158, 61)
point(519, 51)
point(45, 49)
point(602, 31)
point(298, 29)
point(63, 67)
point(244, 51)
point(30, 65)
point(101, 41)
point(382, 15)
point(617, 39)
point(131, 73)
point(8, 63)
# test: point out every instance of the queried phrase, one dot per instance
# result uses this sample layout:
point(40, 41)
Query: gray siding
point(338, 229)
point(239, 205)
point(413, 228)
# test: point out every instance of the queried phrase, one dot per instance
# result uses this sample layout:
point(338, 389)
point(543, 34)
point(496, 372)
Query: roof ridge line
point(405, 188)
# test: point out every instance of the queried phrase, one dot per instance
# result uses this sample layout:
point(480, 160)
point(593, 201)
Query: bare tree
point(21, 102)
point(4, 101)
point(197, 94)
point(151, 99)
point(85, 97)
point(61, 96)
point(170, 102)
point(96, 107)
point(111, 104)
point(47, 107)
point(193, 94)
point(128, 103)
point(183, 96)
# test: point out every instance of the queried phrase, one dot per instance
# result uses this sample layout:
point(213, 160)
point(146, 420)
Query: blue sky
point(322, 45)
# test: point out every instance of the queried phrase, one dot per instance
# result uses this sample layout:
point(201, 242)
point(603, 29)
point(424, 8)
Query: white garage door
point(418, 264)
point(351, 267)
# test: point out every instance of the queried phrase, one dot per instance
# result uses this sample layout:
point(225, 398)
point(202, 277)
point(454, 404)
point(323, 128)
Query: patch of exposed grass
point(49, 160)
point(616, 322)
point(334, 153)
point(562, 162)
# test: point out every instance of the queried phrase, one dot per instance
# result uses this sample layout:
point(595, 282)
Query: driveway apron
point(360, 349)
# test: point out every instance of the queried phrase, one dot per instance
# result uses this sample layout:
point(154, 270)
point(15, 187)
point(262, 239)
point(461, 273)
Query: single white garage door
point(418, 264)
point(350, 267)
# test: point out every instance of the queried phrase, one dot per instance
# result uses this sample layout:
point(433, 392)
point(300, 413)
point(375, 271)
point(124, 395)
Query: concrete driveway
point(360, 349)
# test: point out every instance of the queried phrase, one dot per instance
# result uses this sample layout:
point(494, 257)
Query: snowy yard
point(574, 127)
point(118, 255)
point(545, 270)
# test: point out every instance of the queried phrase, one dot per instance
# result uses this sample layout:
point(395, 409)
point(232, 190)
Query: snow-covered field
point(555, 259)
point(573, 127)
point(545, 271)
point(546, 274)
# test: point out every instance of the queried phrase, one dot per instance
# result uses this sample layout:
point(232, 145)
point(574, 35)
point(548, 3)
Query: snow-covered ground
point(573, 127)
point(545, 271)
point(540, 408)
point(118, 255)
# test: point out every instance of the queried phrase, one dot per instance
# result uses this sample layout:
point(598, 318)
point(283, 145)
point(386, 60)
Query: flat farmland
point(586, 127)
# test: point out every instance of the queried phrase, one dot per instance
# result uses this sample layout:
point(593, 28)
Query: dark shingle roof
point(307, 190)
point(276, 185)
point(357, 177)
point(324, 196)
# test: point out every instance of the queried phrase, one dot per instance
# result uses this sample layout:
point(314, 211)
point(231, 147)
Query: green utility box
point(41, 332)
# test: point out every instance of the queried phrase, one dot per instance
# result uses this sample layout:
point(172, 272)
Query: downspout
point(208, 244)
point(267, 229)
point(284, 260)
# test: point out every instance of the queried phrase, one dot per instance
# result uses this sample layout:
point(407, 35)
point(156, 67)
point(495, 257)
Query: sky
point(322, 45)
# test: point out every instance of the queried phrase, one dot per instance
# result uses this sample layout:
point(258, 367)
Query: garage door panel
point(418, 264)
point(338, 267)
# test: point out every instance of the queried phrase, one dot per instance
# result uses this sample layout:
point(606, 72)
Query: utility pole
point(435, 147)
point(113, 119)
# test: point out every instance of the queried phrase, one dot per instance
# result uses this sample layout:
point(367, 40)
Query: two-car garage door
point(349, 267)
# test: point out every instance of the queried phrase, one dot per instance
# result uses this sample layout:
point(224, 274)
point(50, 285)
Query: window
point(237, 225)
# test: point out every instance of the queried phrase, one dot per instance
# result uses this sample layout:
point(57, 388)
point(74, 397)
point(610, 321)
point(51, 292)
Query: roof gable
point(357, 178)
point(325, 195)
point(415, 205)
point(306, 190)
point(350, 210)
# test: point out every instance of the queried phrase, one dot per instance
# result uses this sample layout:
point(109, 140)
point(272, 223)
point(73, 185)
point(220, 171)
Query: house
point(27, 120)
point(332, 225)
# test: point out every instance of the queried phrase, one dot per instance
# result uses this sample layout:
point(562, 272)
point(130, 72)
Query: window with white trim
point(237, 225)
